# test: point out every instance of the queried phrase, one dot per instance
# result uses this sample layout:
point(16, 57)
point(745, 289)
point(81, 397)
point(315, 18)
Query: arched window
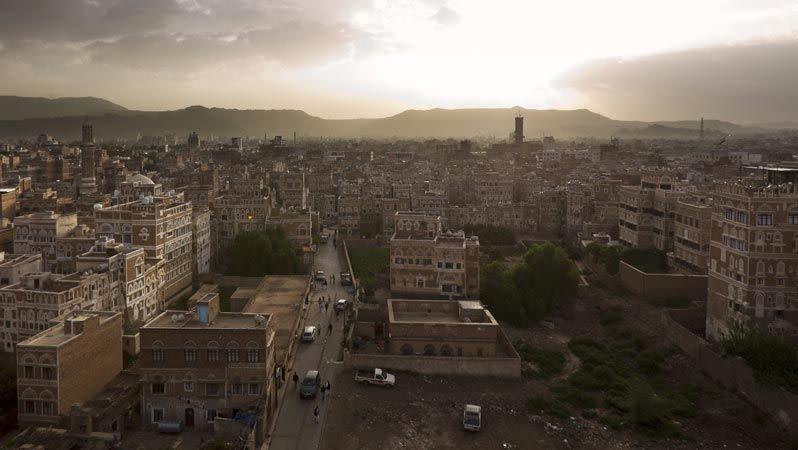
point(429, 350)
point(780, 268)
point(446, 350)
point(407, 349)
point(760, 267)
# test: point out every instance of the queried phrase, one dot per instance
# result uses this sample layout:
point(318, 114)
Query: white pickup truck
point(376, 376)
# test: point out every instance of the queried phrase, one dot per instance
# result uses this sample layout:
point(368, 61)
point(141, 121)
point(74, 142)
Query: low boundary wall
point(505, 367)
point(731, 372)
point(662, 285)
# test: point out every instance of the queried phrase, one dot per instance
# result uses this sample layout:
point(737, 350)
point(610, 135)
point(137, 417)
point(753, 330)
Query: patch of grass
point(543, 405)
point(622, 374)
point(548, 363)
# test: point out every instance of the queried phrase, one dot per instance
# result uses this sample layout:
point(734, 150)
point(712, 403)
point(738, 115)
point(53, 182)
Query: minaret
point(88, 183)
point(701, 135)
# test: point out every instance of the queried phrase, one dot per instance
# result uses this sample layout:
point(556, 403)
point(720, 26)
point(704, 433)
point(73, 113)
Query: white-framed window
point(232, 355)
point(253, 355)
point(157, 355)
point(420, 282)
point(190, 355)
point(764, 219)
point(158, 388)
point(254, 388)
point(188, 386)
point(237, 389)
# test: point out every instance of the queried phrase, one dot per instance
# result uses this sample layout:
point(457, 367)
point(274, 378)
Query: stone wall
point(731, 372)
point(508, 366)
point(662, 285)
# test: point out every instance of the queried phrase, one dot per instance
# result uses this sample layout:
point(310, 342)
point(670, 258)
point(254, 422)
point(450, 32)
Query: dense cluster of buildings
point(99, 239)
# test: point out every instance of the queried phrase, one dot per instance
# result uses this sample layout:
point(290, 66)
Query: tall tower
point(518, 135)
point(701, 135)
point(88, 133)
point(88, 183)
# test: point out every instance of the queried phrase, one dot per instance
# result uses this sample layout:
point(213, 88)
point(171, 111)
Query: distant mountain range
point(24, 117)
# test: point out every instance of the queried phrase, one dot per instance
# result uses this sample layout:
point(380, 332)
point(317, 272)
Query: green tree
point(258, 253)
point(531, 289)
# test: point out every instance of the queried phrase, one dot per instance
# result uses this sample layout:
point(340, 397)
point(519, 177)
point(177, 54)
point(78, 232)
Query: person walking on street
point(323, 392)
point(316, 414)
point(328, 388)
point(329, 329)
point(296, 379)
point(326, 306)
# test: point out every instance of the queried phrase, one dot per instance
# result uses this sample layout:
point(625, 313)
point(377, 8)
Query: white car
point(340, 305)
point(310, 333)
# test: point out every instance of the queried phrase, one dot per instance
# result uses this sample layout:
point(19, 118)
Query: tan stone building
point(38, 233)
point(430, 263)
point(162, 226)
point(70, 362)
point(445, 328)
point(691, 234)
point(201, 240)
point(38, 297)
point(753, 257)
point(201, 365)
point(646, 212)
point(135, 280)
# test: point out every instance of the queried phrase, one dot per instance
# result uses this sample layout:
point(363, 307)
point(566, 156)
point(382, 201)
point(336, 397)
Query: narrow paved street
point(296, 428)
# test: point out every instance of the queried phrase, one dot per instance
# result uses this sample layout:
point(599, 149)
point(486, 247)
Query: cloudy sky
point(630, 59)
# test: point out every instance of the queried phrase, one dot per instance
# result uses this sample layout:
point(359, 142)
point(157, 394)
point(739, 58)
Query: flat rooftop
point(56, 335)
point(438, 311)
point(224, 320)
point(281, 297)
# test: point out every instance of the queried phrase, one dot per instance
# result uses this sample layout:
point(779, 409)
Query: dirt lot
point(424, 412)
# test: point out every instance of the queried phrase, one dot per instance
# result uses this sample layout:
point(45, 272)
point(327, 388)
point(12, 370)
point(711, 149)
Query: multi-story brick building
point(753, 256)
point(430, 263)
point(291, 190)
point(199, 366)
point(38, 233)
point(691, 234)
point(232, 215)
point(494, 189)
point(69, 362)
point(646, 212)
point(162, 227)
point(201, 239)
point(135, 279)
point(38, 297)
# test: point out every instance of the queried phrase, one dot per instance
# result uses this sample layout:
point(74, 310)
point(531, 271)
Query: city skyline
point(346, 59)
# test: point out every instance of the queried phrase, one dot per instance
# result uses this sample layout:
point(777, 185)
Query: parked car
point(376, 377)
point(310, 384)
point(472, 417)
point(320, 276)
point(309, 333)
point(324, 237)
point(346, 279)
point(340, 305)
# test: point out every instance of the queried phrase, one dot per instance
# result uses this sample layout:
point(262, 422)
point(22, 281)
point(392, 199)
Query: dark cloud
point(748, 83)
point(292, 44)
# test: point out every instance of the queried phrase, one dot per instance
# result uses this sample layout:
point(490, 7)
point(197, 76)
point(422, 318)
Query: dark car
point(310, 384)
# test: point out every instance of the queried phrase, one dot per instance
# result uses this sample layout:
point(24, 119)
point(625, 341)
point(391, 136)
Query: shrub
point(772, 358)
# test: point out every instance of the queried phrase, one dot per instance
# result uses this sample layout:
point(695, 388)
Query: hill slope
point(17, 108)
point(113, 121)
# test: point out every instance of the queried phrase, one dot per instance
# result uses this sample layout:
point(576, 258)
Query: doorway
point(189, 417)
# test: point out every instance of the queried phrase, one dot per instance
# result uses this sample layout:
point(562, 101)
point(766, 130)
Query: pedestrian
point(296, 379)
point(323, 392)
point(316, 414)
point(328, 388)
point(326, 306)
point(329, 329)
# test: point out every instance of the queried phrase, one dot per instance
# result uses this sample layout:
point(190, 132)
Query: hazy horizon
point(363, 59)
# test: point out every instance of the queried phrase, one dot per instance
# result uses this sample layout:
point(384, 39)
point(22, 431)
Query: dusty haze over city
point(631, 60)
